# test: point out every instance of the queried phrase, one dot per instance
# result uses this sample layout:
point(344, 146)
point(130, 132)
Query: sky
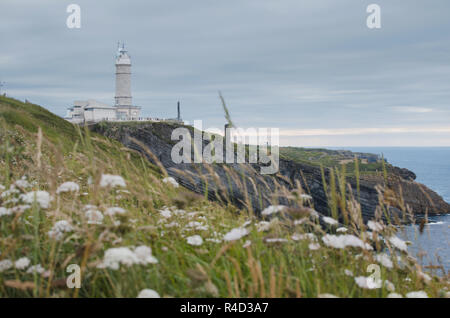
point(311, 68)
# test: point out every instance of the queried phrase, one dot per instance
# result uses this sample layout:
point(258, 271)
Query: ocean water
point(432, 167)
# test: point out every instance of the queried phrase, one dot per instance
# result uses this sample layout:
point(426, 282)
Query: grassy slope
point(64, 153)
point(329, 158)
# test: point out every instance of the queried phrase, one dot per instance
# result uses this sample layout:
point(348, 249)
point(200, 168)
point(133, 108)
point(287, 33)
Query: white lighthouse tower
point(123, 99)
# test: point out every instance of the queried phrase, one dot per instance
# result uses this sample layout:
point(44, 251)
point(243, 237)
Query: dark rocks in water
point(242, 184)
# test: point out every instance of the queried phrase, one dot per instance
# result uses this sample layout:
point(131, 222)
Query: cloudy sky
point(310, 67)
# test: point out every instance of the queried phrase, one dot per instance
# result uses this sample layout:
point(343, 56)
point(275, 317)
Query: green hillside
point(332, 159)
point(71, 197)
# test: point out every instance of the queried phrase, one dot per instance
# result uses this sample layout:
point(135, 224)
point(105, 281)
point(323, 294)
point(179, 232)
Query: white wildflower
point(367, 282)
point(214, 240)
point(43, 198)
point(348, 272)
point(5, 211)
point(2, 187)
point(89, 207)
point(384, 260)
point(341, 230)
point(166, 213)
point(195, 240)
point(59, 228)
point(424, 276)
point(197, 226)
point(417, 294)
point(327, 296)
point(22, 263)
point(313, 213)
point(276, 240)
point(12, 201)
point(394, 295)
point(305, 197)
point(398, 243)
point(202, 228)
point(144, 255)
point(118, 255)
point(273, 209)
point(369, 235)
point(192, 214)
point(179, 212)
point(171, 181)
point(94, 217)
point(20, 208)
point(247, 244)
point(194, 224)
point(375, 226)
point(262, 226)
point(172, 224)
point(109, 180)
point(389, 286)
point(300, 221)
point(314, 246)
point(329, 220)
point(22, 183)
point(115, 210)
point(235, 234)
point(148, 293)
point(217, 234)
point(307, 236)
point(68, 187)
point(11, 191)
point(342, 241)
point(38, 269)
point(5, 265)
point(46, 274)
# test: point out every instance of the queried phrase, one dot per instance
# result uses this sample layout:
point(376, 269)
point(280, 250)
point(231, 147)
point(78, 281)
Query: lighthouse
point(123, 99)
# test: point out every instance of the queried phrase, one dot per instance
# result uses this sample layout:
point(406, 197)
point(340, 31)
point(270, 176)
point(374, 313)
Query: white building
point(93, 111)
point(90, 111)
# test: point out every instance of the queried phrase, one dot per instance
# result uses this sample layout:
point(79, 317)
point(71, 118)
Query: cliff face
point(243, 185)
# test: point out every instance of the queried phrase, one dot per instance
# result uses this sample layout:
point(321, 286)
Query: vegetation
point(71, 197)
point(333, 159)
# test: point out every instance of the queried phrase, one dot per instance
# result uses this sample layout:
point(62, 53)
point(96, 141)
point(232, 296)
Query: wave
point(436, 223)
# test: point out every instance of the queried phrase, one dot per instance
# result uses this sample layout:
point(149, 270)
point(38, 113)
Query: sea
point(432, 167)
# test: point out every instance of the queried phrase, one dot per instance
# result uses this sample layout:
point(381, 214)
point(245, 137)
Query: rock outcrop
point(243, 185)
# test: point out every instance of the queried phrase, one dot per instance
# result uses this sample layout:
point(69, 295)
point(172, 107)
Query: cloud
point(289, 64)
point(363, 131)
point(409, 109)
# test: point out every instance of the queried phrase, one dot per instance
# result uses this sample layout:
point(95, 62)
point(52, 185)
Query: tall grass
point(274, 259)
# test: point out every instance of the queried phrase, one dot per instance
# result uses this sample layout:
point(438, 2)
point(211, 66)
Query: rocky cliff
point(242, 184)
